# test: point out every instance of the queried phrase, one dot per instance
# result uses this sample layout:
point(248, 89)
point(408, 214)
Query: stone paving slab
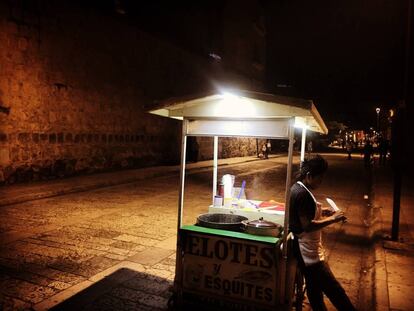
point(170, 243)
point(394, 260)
point(62, 296)
point(115, 278)
point(401, 296)
point(151, 256)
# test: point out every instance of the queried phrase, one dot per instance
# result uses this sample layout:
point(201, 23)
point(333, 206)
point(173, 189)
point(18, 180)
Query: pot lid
point(261, 223)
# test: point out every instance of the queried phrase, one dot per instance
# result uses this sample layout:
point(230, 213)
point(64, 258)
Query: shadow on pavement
point(125, 289)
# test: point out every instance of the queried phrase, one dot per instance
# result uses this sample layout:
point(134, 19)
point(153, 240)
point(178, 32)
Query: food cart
point(228, 269)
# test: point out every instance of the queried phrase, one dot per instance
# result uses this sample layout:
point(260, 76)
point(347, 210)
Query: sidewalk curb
point(381, 295)
point(80, 188)
point(160, 171)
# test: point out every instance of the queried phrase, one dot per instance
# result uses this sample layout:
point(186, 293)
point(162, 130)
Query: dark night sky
point(347, 55)
point(349, 58)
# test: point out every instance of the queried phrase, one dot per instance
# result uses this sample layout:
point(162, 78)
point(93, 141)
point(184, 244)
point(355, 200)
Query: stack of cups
point(228, 182)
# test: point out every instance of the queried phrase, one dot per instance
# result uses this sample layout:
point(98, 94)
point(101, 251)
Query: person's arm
point(313, 225)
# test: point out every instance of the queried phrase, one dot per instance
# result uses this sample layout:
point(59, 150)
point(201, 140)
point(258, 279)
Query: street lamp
point(378, 112)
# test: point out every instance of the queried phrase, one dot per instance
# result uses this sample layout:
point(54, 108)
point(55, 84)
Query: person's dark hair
point(314, 166)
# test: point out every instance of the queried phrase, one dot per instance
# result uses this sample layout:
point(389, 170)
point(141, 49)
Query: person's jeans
point(320, 279)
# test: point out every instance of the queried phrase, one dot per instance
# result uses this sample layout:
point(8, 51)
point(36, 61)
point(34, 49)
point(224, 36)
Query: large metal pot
point(262, 227)
point(221, 221)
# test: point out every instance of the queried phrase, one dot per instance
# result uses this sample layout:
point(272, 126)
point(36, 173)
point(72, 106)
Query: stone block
point(153, 301)
point(28, 291)
point(151, 256)
point(148, 283)
point(60, 137)
point(69, 138)
point(15, 154)
point(77, 138)
point(401, 297)
point(3, 137)
point(35, 137)
point(52, 117)
point(10, 303)
point(25, 155)
point(170, 243)
point(4, 156)
point(52, 138)
point(23, 137)
point(120, 272)
point(60, 297)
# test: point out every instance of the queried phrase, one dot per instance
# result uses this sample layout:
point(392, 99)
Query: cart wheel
point(299, 291)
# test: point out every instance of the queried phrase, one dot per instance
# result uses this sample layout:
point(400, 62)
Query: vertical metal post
point(215, 165)
point(303, 145)
point(288, 184)
point(286, 220)
point(378, 129)
point(182, 173)
point(395, 229)
point(179, 253)
point(399, 133)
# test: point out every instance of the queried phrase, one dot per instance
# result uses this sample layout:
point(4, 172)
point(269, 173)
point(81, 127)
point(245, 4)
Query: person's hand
point(339, 216)
point(327, 212)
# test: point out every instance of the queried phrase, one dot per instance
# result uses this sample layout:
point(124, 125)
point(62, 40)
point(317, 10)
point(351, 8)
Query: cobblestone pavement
point(114, 248)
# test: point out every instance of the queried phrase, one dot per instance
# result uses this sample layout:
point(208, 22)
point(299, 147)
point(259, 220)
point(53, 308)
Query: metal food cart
point(224, 269)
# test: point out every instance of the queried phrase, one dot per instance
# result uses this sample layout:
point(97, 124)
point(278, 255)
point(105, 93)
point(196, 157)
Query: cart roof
point(243, 105)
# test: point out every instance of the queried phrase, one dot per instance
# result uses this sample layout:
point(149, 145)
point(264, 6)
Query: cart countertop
point(232, 234)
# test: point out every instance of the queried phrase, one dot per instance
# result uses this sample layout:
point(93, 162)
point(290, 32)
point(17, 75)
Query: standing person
point(307, 218)
point(368, 153)
point(192, 149)
point(264, 151)
point(383, 150)
point(349, 149)
point(310, 147)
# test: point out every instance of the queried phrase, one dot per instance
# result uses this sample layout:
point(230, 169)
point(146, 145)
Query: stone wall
point(228, 147)
point(74, 87)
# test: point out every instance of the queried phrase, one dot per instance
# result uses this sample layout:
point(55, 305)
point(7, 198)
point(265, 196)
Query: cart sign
point(229, 272)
